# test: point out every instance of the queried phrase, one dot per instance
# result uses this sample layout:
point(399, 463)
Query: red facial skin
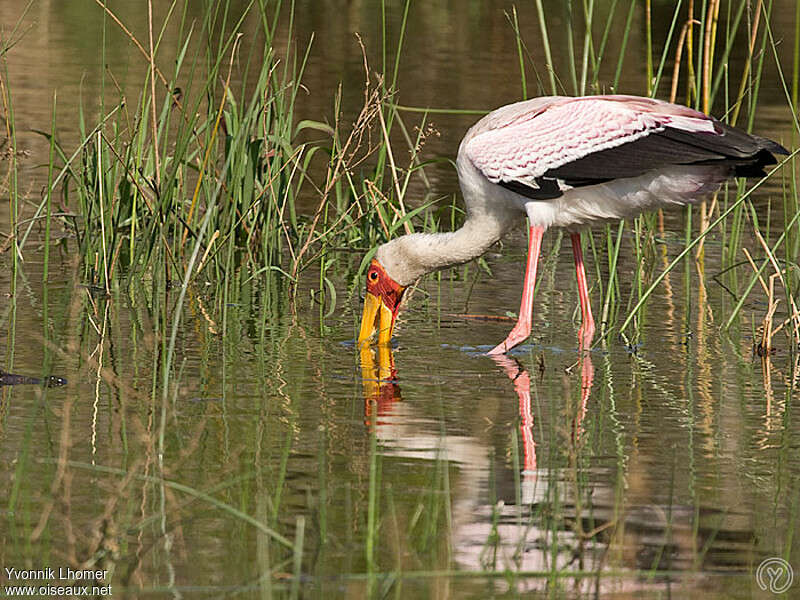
point(380, 285)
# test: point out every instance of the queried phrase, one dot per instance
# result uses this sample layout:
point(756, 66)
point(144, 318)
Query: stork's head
point(397, 264)
point(381, 304)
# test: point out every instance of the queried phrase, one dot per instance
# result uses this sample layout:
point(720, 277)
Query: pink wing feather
point(522, 141)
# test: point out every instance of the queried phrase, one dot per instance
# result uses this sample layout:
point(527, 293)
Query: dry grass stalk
point(676, 69)
point(779, 275)
point(746, 74)
point(356, 149)
point(709, 38)
point(768, 332)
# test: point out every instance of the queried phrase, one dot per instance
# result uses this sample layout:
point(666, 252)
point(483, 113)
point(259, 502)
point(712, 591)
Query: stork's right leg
point(587, 326)
point(522, 330)
point(586, 332)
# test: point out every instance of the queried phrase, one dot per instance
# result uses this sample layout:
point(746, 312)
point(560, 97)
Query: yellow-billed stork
point(564, 162)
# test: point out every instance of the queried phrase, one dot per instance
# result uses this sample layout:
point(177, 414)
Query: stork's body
point(565, 162)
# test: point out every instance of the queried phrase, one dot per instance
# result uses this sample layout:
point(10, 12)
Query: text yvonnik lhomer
point(50, 574)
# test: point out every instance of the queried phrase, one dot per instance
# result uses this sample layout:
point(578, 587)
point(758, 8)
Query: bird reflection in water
point(587, 378)
point(403, 433)
point(381, 391)
point(551, 522)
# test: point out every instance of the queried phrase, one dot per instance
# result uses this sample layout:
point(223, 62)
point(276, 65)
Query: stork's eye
point(373, 276)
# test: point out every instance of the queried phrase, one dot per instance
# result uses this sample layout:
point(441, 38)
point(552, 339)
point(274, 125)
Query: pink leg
point(587, 328)
point(522, 329)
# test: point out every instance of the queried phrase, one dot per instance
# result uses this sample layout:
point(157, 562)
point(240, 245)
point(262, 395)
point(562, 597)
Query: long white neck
point(408, 258)
point(491, 212)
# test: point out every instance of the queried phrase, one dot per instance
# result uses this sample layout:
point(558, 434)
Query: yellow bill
point(381, 304)
point(376, 317)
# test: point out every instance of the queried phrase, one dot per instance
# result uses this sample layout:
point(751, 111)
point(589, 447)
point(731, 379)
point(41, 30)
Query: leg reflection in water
point(522, 386)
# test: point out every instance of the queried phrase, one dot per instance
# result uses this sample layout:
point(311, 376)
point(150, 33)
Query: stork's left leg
point(522, 329)
point(587, 328)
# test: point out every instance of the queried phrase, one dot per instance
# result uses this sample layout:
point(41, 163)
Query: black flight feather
point(745, 154)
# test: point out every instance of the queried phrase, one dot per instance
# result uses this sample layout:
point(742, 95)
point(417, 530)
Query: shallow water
point(667, 466)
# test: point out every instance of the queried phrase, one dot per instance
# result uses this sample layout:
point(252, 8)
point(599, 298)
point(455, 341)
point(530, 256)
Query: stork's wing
point(585, 141)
